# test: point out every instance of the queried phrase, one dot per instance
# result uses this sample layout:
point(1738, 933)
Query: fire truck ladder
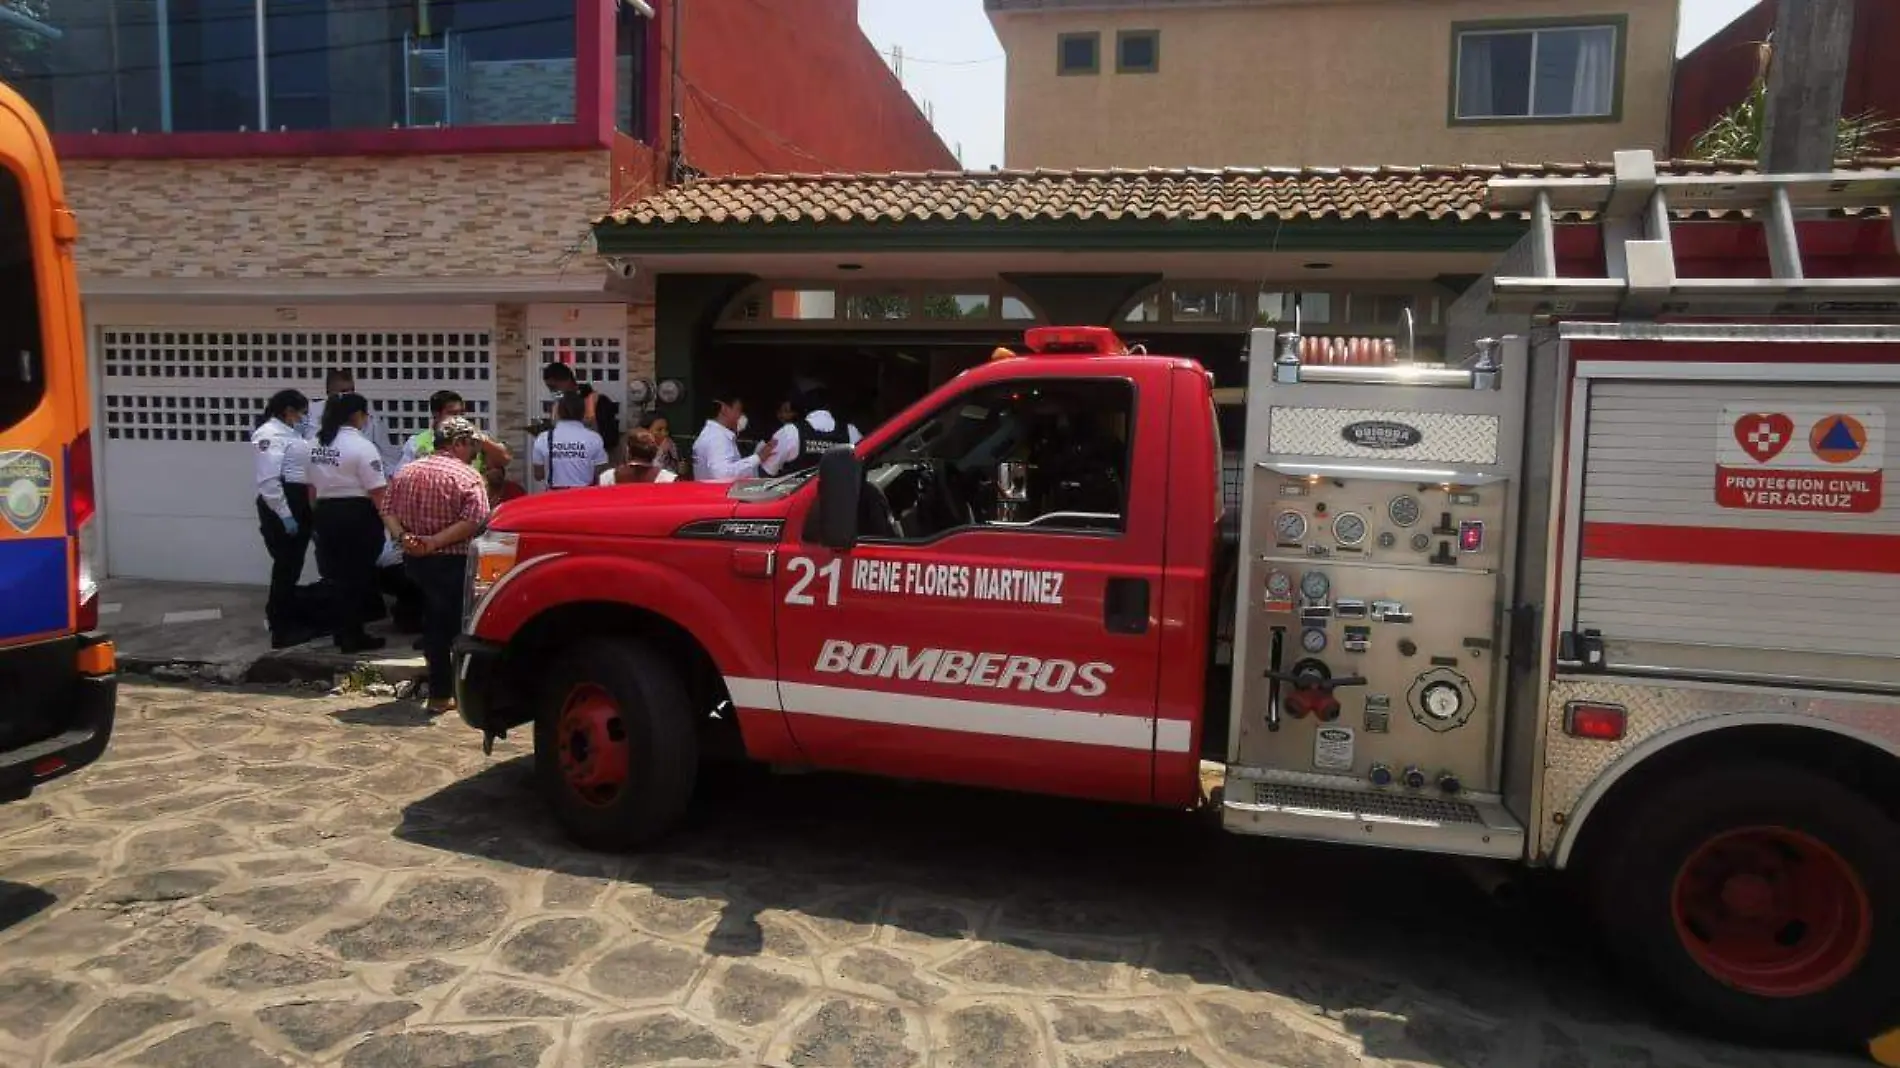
point(1635, 205)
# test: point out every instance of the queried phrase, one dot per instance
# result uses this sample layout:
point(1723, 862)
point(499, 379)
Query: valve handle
point(1313, 680)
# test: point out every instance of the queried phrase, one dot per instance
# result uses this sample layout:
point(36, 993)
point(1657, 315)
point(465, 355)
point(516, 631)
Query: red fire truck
point(1619, 594)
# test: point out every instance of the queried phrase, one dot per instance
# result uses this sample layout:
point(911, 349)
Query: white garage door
point(178, 404)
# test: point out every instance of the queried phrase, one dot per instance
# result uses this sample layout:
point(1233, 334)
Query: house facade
point(1211, 83)
point(269, 188)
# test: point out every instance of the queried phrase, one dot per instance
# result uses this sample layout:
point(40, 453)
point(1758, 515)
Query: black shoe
point(416, 645)
point(361, 644)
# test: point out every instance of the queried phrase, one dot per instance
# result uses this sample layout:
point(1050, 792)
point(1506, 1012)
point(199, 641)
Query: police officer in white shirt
point(347, 473)
point(284, 516)
point(338, 381)
point(716, 456)
point(568, 455)
point(812, 432)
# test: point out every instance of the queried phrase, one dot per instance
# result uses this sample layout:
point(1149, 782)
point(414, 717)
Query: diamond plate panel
point(1572, 765)
point(1445, 437)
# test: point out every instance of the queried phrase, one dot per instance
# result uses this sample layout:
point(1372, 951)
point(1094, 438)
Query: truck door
point(997, 624)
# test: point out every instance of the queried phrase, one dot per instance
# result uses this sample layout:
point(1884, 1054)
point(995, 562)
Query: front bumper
point(56, 720)
point(477, 665)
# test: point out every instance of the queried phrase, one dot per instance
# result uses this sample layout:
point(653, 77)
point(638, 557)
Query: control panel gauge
point(1313, 640)
point(1279, 586)
point(1403, 510)
point(1314, 586)
point(1421, 542)
point(1349, 528)
point(1289, 527)
point(1387, 539)
point(1441, 700)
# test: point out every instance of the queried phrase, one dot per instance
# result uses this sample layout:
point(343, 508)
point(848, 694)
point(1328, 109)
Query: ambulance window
point(1029, 456)
point(22, 358)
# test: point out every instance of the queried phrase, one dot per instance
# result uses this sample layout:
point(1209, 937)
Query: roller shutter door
point(1742, 528)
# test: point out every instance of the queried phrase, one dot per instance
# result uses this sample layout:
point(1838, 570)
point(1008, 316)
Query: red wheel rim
point(592, 741)
point(1772, 912)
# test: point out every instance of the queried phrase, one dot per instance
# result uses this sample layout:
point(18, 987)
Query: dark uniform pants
point(440, 578)
point(287, 554)
point(349, 540)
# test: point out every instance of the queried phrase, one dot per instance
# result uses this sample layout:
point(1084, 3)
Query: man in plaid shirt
point(432, 508)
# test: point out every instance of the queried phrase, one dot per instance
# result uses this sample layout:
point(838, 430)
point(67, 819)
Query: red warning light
point(1074, 340)
point(1470, 536)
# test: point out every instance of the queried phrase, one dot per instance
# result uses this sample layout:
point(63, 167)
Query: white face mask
point(740, 429)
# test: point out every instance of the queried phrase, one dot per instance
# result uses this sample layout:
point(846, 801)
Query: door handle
point(1125, 606)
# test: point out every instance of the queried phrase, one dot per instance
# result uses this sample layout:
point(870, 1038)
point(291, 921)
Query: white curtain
point(1594, 86)
point(1474, 76)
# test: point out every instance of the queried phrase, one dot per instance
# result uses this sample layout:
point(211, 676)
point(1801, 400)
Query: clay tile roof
point(1250, 194)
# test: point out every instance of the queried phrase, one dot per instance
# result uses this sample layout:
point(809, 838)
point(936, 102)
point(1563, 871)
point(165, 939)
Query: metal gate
point(178, 404)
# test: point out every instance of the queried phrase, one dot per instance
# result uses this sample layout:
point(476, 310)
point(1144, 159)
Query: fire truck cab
point(1619, 593)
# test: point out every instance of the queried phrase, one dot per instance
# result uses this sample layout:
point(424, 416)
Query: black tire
point(662, 756)
point(1632, 883)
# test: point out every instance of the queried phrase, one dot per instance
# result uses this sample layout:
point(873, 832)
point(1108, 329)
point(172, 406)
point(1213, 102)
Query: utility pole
point(1807, 78)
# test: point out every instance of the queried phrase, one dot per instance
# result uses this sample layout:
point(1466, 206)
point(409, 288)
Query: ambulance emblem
point(26, 488)
point(1764, 434)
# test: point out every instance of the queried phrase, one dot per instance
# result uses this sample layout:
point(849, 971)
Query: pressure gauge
point(1442, 701)
point(1404, 510)
point(1314, 586)
point(1313, 640)
point(1349, 528)
point(1387, 539)
point(1421, 542)
point(1279, 586)
point(1289, 527)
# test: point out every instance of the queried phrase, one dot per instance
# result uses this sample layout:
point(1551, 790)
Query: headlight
point(491, 554)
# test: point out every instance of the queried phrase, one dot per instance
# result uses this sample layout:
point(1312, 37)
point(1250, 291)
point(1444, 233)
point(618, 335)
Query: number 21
point(803, 571)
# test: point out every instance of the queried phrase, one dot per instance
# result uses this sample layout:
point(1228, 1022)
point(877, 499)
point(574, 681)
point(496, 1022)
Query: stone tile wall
point(336, 217)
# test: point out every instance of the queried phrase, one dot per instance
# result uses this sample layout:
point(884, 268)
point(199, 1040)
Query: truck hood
point(644, 510)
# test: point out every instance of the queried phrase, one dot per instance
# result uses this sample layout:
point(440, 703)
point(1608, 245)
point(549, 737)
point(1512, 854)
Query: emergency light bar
point(1074, 340)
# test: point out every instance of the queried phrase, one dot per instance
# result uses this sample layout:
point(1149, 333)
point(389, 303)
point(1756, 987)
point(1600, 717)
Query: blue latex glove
point(290, 524)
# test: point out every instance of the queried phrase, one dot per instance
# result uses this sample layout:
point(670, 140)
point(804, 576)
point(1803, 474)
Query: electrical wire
point(894, 55)
point(771, 135)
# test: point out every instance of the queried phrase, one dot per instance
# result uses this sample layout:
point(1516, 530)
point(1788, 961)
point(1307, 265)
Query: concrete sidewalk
point(218, 632)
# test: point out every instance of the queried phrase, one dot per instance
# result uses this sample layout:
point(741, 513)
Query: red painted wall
point(1716, 76)
point(770, 86)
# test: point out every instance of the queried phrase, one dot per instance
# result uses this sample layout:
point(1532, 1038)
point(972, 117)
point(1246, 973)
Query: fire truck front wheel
point(614, 747)
point(1763, 901)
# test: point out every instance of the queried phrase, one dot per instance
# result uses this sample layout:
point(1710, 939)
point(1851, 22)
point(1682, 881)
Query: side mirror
point(834, 523)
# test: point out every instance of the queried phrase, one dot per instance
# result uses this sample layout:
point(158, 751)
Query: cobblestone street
point(255, 879)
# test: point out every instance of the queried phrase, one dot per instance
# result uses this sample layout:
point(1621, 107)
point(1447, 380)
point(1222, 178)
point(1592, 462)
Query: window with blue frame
point(155, 66)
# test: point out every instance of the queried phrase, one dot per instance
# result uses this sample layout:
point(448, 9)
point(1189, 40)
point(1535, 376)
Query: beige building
point(1209, 83)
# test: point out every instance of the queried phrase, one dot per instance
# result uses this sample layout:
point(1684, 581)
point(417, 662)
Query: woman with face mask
point(283, 511)
point(346, 471)
point(716, 456)
point(668, 458)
